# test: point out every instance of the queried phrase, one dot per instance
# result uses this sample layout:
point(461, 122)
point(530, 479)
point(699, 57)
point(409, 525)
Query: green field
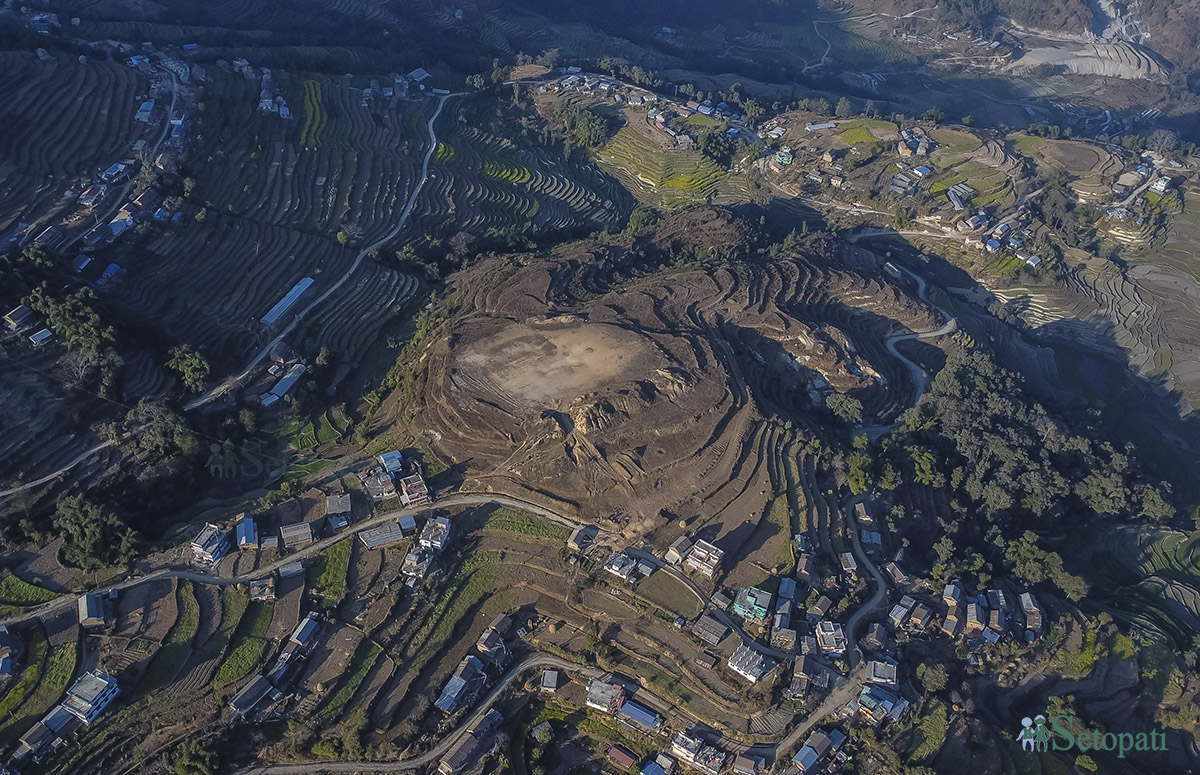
point(18, 592)
point(176, 647)
point(479, 576)
point(506, 520)
point(233, 607)
point(364, 659)
point(1152, 578)
point(667, 179)
point(865, 130)
point(670, 594)
point(249, 643)
point(25, 683)
point(327, 576)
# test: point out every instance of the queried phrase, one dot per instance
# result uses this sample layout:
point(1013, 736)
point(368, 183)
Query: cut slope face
point(577, 384)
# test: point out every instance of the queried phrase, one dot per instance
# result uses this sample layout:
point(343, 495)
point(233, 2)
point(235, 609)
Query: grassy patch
point(669, 593)
point(17, 591)
point(477, 577)
point(25, 684)
point(176, 648)
point(233, 607)
point(506, 520)
point(249, 642)
point(364, 659)
point(327, 576)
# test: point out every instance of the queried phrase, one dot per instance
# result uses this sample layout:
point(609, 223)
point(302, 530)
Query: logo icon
point(1034, 735)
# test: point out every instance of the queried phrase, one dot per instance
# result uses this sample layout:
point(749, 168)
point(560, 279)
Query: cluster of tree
point(583, 127)
point(94, 535)
point(622, 69)
point(73, 317)
point(977, 430)
point(191, 365)
point(1057, 208)
point(21, 272)
point(1008, 468)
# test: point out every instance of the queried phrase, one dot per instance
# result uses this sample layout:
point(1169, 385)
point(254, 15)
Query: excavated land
point(595, 383)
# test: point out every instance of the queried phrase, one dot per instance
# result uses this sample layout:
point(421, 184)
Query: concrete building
point(749, 664)
point(90, 695)
point(704, 558)
point(210, 546)
point(605, 695)
point(435, 534)
point(91, 611)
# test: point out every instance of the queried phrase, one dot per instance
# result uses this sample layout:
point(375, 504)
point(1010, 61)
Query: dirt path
point(232, 382)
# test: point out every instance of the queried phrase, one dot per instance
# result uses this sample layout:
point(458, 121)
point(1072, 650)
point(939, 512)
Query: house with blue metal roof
point(639, 715)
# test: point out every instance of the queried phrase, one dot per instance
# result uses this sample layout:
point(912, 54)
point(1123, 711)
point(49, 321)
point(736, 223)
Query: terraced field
point(487, 185)
point(548, 401)
point(670, 180)
point(1091, 169)
point(63, 122)
point(1156, 581)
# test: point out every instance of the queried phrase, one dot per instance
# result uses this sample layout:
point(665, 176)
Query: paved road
point(51, 477)
point(232, 382)
point(540, 661)
point(880, 594)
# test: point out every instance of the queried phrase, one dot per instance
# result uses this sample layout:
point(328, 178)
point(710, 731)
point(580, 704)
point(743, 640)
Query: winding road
point(232, 382)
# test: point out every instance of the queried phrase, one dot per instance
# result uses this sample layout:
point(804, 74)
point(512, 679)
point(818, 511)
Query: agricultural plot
point(866, 130)
point(1156, 578)
point(63, 122)
point(1091, 169)
point(327, 576)
point(992, 186)
point(15, 591)
point(670, 594)
point(248, 644)
point(52, 683)
point(506, 520)
point(176, 647)
point(495, 187)
point(672, 179)
point(364, 659)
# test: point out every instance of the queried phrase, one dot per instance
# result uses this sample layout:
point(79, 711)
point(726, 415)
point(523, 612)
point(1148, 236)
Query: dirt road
point(234, 381)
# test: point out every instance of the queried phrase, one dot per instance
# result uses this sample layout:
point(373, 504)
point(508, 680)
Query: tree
point(933, 115)
point(641, 219)
point(190, 757)
point(843, 108)
point(968, 121)
point(752, 111)
point(74, 317)
point(933, 677)
point(847, 408)
point(191, 365)
point(1163, 141)
point(858, 474)
point(94, 535)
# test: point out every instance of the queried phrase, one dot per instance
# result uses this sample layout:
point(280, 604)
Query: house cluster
point(573, 79)
point(1009, 238)
point(914, 142)
point(700, 556)
point(472, 746)
point(820, 748)
point(685, 749)
point(269, 99)
point(470, 677)
point(272, 686)
point(23, 320)
point(628, 568)
point(983, 618)
point(395, 477)
point(87, 698)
